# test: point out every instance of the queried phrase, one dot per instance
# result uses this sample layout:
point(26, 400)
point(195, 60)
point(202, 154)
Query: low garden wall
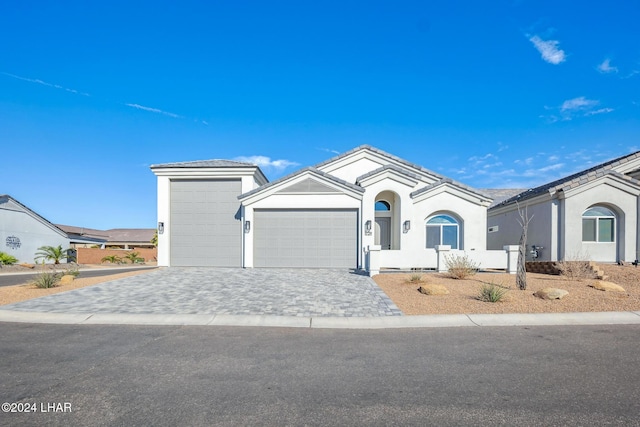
point(95, 255)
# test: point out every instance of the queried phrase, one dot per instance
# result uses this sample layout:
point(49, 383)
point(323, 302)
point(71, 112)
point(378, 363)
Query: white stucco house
point(23, 231)
point(593, 214)
point(331, 215)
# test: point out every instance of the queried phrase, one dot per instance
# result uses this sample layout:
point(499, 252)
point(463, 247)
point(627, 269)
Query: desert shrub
point(72, 271)
point(492, 293)
point(460, 266)
point(46, 279)
point(6, 259)
point(575, 267)
point(414, 278)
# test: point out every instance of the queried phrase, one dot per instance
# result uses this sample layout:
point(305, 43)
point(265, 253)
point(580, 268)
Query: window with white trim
point(442, 230)
point(598, 225)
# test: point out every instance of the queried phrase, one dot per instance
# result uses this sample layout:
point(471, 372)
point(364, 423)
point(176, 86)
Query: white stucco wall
point(619, 198)
point(31, 232)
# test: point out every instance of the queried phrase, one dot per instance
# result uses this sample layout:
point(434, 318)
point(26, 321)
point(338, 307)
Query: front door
point(383, 233)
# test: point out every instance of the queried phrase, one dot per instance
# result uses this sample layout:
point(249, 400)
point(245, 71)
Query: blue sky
point(494, 94)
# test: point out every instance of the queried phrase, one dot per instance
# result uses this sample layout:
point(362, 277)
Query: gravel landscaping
point(463, 294)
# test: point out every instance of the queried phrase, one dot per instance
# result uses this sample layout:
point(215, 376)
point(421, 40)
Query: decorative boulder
point(67, 278)
point(551, 293)
point(601, 285)
point(433, 290)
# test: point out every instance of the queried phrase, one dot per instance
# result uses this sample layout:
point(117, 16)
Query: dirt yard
point(462, 298)
point(25, 291)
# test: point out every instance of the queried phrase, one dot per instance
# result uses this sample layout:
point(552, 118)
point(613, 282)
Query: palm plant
point(133, 257)
point(113, 259)
point(6, 259)
point(52, 253)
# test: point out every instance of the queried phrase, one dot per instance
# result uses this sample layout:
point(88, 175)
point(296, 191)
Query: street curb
point(391, 322)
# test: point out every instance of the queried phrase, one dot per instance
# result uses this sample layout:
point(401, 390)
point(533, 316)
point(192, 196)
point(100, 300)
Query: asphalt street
point(18, 279)
point(193, 375)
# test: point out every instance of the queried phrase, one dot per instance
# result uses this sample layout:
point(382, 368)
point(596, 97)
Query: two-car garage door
point(206, 230)
point(319, 238)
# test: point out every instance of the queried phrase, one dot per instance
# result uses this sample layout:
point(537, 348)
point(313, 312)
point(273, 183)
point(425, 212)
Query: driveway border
point(430, 321)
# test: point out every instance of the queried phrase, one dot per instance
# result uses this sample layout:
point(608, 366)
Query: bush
point(415, 278)
point(46, 279)
point(72, 271)
point(460, 266)
point(575, 270)
point(6, 259)
point(492, 293)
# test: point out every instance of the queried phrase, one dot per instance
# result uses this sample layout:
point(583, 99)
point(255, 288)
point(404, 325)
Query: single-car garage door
point(205, 227)
point(324, 238)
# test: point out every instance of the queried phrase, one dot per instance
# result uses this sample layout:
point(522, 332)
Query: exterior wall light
point(367, 227)
point(406, 226)
point(160, 227)
point(247, 226)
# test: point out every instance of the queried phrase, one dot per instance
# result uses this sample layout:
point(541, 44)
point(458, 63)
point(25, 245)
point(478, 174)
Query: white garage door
point(205, 227)
point(317, 238)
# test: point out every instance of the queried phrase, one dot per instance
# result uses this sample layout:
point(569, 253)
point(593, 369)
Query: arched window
point(442, 230)
point(381, 205)
point(598, 225)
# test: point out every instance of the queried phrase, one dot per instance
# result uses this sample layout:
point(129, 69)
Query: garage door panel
point(205, 230)
point(305, 238)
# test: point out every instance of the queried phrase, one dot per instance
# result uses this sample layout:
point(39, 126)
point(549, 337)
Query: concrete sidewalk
point(432, 321)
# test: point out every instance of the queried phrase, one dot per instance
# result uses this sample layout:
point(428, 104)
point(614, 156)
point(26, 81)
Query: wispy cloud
point(578, 104)
point(605, 67)
point(43, 83)
point(548, 49)
point(153, 110)
point(576, 107)
point(328, 150)
point(266, 162)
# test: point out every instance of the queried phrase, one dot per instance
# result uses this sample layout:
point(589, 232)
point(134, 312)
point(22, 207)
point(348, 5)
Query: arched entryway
point(386, 234)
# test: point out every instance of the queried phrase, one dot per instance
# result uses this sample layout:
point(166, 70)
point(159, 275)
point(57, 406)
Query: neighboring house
point(81, 237)
point(124, 238)
point(592, 214)
point(22, 231)
point(225, 213)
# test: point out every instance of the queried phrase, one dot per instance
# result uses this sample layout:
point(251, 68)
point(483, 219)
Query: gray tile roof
point(213, 163)
point(499, 195)
point(300, 172)
point(573, 180)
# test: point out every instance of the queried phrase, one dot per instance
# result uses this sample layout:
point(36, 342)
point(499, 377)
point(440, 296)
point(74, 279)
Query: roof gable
point(366, 159)
point(446, 184)
point(393, 172)
point(296, 183)
point(9, 203)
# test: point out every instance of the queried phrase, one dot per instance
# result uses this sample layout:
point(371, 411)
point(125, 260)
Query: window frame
point(597, 221)
point(441, 232)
